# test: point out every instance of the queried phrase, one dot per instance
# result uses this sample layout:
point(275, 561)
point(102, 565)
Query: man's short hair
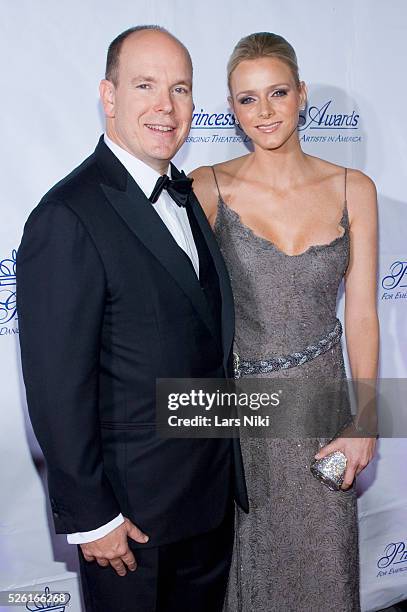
point(113, 53)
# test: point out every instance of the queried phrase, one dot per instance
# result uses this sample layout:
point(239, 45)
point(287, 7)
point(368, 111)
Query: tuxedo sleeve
point(61, 290)
point(83, 537)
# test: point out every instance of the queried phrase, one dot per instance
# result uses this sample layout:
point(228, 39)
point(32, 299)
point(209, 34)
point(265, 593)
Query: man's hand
point(113, 548)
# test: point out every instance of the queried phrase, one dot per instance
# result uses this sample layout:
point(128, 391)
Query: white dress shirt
point(176, 219)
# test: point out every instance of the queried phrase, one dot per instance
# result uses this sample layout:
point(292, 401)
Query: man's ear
point(107, 96)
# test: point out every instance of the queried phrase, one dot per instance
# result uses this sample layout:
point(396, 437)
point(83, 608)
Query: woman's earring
point(237, 121)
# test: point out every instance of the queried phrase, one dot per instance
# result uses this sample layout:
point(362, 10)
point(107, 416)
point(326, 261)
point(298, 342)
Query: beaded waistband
point(247, 368)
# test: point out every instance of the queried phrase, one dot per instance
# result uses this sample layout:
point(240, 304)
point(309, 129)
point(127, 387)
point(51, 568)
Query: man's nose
point(163, 102)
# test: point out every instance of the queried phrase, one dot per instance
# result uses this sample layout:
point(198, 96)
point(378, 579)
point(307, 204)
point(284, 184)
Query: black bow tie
point(178, 187)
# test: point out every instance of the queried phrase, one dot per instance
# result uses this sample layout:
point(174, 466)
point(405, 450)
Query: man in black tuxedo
point(116, 289)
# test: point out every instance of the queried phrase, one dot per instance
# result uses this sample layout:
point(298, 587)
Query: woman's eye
point(245, 100)
point(279, 93)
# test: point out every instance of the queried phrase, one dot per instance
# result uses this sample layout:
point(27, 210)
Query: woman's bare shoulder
point(324, 170)
point(229, 169)
point(358, 185)
point(206, 191)
point(211, 181)
point(361, 182)
point(361, 195)
point(361, 198)
point(202, 174)
point(329, 169)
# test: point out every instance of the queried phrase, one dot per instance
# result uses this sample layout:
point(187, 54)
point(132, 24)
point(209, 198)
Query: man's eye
point(181, 90)
point(143, 86)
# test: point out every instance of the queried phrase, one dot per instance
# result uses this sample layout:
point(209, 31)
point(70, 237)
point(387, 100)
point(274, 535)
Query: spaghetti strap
point(344, 222)
point(216, 181)
point(346, 175)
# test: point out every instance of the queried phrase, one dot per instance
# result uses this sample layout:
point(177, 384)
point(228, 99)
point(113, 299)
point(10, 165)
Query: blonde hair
point(263, 44)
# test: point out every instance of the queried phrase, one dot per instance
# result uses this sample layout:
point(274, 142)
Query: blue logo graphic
point(49, 601)
point(322, 118)
point(317, 118)
point(398, 274)
point(394, 559)
point(210, 121)
point(8, 288)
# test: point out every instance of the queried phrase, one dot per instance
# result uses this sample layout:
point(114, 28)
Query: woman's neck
point(280, 168)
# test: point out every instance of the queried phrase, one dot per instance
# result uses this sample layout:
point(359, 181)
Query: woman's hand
point(358, 452)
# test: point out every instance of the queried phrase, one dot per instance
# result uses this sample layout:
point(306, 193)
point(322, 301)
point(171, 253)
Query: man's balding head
point(113, 53)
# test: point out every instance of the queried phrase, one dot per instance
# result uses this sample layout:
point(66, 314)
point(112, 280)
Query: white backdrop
point(351, 55)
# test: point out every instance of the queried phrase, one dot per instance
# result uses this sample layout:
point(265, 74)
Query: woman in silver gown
point(291, 227)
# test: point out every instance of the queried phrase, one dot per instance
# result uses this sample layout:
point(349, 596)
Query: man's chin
point(165, 153)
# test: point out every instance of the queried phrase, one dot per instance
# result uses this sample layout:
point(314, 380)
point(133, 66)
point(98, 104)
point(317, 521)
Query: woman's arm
point(361, 320)
point(205, 189)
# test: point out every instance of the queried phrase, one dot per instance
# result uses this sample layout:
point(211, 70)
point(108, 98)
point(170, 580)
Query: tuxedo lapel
point(228, 313)
point(138, 213)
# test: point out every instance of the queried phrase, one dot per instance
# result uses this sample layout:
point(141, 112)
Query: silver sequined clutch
point(330, 470)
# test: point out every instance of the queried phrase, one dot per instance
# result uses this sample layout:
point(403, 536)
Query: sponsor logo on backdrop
point(8, 311)
point(208, 127)
point(394, 559)
point(338, 126)
point(320, 123)
point(207, 121)
point(394, 283)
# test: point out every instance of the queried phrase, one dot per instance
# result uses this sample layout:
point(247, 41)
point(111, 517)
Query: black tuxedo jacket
point(107, 303)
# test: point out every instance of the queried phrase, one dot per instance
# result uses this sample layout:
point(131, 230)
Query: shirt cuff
point(84, 537)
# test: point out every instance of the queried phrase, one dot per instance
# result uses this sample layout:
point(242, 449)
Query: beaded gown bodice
point(283, 302)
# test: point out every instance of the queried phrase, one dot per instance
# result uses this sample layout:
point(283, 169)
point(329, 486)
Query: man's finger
point(88, 557)
point(135, 533)
point(103, 562)
point(130, 560)
point(118, 566)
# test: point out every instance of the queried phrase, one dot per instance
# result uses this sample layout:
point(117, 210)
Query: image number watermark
point(52, 601)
